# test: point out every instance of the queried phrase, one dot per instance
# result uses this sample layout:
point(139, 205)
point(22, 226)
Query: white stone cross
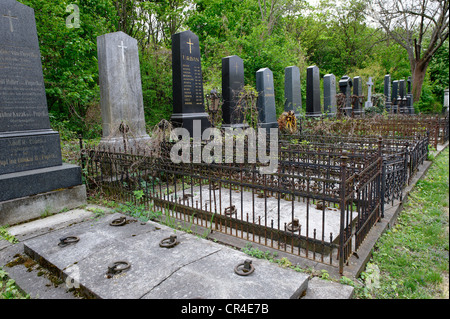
point(123, 50)
point(10, 20)
point(369, 93)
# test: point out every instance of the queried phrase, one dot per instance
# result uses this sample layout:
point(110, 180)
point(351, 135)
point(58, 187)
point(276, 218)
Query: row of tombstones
point(122, 101)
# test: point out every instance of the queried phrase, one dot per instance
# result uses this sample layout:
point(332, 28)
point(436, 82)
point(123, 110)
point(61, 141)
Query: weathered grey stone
point(329, 94)
point(266, 99)
point(121, 97)
point(357, 90)
point(292, 90)
point(369, 93)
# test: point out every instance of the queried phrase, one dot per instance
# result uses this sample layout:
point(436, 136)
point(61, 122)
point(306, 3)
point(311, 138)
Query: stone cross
point(10, 20)
point(369, 93)
point(123, 50)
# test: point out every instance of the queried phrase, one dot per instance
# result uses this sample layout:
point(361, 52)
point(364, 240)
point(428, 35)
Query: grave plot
point(117, 257)
point(320, 203)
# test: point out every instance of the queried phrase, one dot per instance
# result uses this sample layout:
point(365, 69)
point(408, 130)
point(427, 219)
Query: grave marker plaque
point(30, 151)
point(267, 116)
point(188, 99)
point(292, 90)
point(232, 85)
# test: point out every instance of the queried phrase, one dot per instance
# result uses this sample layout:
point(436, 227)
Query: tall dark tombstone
point(329, 94)
point(292, 90)
point(409, 96)
point(357, 90)
point(313, 104)
point(345, 87)
point(402, 97)
point(30, 156)
point(188, 99)
point(232, 85)
point(267, 116)
point(387, 92)
point(395, 96)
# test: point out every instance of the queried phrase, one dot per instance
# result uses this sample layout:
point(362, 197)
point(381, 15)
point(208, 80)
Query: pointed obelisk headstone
point(292, 90)
point(232, 85)
point(30, 151)
point(188, 98)
point(267, 116)
point(329, 94)
point(121, 99)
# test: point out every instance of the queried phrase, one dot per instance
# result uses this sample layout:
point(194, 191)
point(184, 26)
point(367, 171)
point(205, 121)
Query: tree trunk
point(418, 73)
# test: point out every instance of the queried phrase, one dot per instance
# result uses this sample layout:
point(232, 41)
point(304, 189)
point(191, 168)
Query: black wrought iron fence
point(318, 204)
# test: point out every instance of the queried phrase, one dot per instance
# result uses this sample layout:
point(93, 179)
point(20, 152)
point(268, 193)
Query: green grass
point(8, 288)
point(410, 260)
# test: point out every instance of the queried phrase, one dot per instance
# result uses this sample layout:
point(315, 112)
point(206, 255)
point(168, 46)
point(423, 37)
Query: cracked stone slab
point(194, 268)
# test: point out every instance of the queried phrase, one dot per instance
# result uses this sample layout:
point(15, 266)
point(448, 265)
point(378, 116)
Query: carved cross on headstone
point(190, 45)
point(123, 50)
point(10, 20)
point(369, 93)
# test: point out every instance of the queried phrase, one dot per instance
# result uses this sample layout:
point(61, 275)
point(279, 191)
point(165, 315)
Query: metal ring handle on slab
point(118, 267)
point(230, 210)
point(244, 269)
point(168, 242)
point(118, 221)
point(293, 226)
point(68, 240)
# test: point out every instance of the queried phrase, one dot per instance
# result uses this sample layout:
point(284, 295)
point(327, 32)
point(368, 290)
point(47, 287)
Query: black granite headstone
point(292, 90)
point(395, 96)
point(232, 85)
point(409, 96)
point(313, 104)
point(188, 99)
point(27, 143)
point(267, 116)
point(387, 92)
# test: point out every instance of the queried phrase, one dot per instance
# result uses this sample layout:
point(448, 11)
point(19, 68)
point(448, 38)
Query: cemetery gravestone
point(345, 87)
point(329, 94)
point(30, 156)
point(357, 91)
point(313, 105)
point(387, 92)
point(188, 99)
point(267, 116)
point(402, 96)
point(292, 90)
point(232, 85)
point(395, 96)
point(445, 105)
point(409, 96)
point(121, 99)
